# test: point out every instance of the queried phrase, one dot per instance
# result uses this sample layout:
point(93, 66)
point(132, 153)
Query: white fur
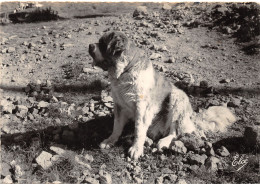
point(159, 109)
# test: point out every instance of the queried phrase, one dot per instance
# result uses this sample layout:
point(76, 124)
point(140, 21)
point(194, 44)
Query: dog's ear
point(117, 44)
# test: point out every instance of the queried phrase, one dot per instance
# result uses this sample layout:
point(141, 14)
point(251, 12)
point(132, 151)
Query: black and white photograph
point(129, 92)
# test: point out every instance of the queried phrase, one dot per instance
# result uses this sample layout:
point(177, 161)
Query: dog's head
point(108, 50)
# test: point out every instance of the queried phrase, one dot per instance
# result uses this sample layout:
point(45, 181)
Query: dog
point(160, 110)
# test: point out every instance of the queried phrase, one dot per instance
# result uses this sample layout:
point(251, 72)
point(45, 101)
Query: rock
point(225, 81)
point(43, 104)
point(166, 6)
point(170, 60)
point(7, 179)
point(18, 171)
point(222, 151)
point(6, 129)
point(44, 160)
point(80, 160)
point(109, 105)
point(140, 11)
point(197, 159)
point(178, 147)
point(155, 56)
point(6, 106)
point(21, 110)
point(251, 136)
point(107, 99)
point(89, 180)
point(11, 49)
point(192, 142)
point(105, 178)
point(89, 158)
point(234, 102)
point(148, 142)
point(58, 150)
point(211, 164)
point(5, 169)
point(181, 181)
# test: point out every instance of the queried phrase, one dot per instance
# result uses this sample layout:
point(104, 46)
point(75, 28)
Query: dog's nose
point(91, 48)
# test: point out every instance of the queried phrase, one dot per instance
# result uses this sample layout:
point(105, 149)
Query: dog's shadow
point(87, 135)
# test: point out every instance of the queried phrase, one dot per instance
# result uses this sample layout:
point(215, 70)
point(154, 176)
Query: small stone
point(166, 6)
point(6, 106)
point(170, 60)
point(162, 157)
point(89, 158)
point(181, 181)
point(7, 180)
point(89, 180)
point(140, 11)
point(225, 81)
point(109, 105)
point(5, 169)
point(43, 104)
point(21, 110)
point(197, 159)
point(105, 178)
point(178, 147)
point(155, 56)
point(192, 141)
point(11, 50)
point(211, 164)
point(44, 160)
point(222, 151)
point(234, 102)
point(58, 150)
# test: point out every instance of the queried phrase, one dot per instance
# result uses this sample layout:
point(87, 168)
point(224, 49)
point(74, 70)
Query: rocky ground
point(56, 108)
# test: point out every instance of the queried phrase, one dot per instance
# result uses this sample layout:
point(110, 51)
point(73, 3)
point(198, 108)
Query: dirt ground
point(210, 65)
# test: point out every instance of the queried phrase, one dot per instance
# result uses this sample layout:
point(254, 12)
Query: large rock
point(140, 11)
point(251, 136)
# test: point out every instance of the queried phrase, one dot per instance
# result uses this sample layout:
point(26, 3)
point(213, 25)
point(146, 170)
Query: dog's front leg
point(120, 119)
point(142, 123)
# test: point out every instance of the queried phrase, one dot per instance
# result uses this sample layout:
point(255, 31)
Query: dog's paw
point(135, 152)
point(106, 144)
point(164, 143)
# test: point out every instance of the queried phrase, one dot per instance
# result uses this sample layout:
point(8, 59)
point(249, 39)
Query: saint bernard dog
point(160, 110)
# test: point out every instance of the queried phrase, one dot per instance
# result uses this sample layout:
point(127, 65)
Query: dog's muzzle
point(91, 49)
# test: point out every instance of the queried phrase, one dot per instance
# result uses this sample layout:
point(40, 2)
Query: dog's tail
point(215, 118)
